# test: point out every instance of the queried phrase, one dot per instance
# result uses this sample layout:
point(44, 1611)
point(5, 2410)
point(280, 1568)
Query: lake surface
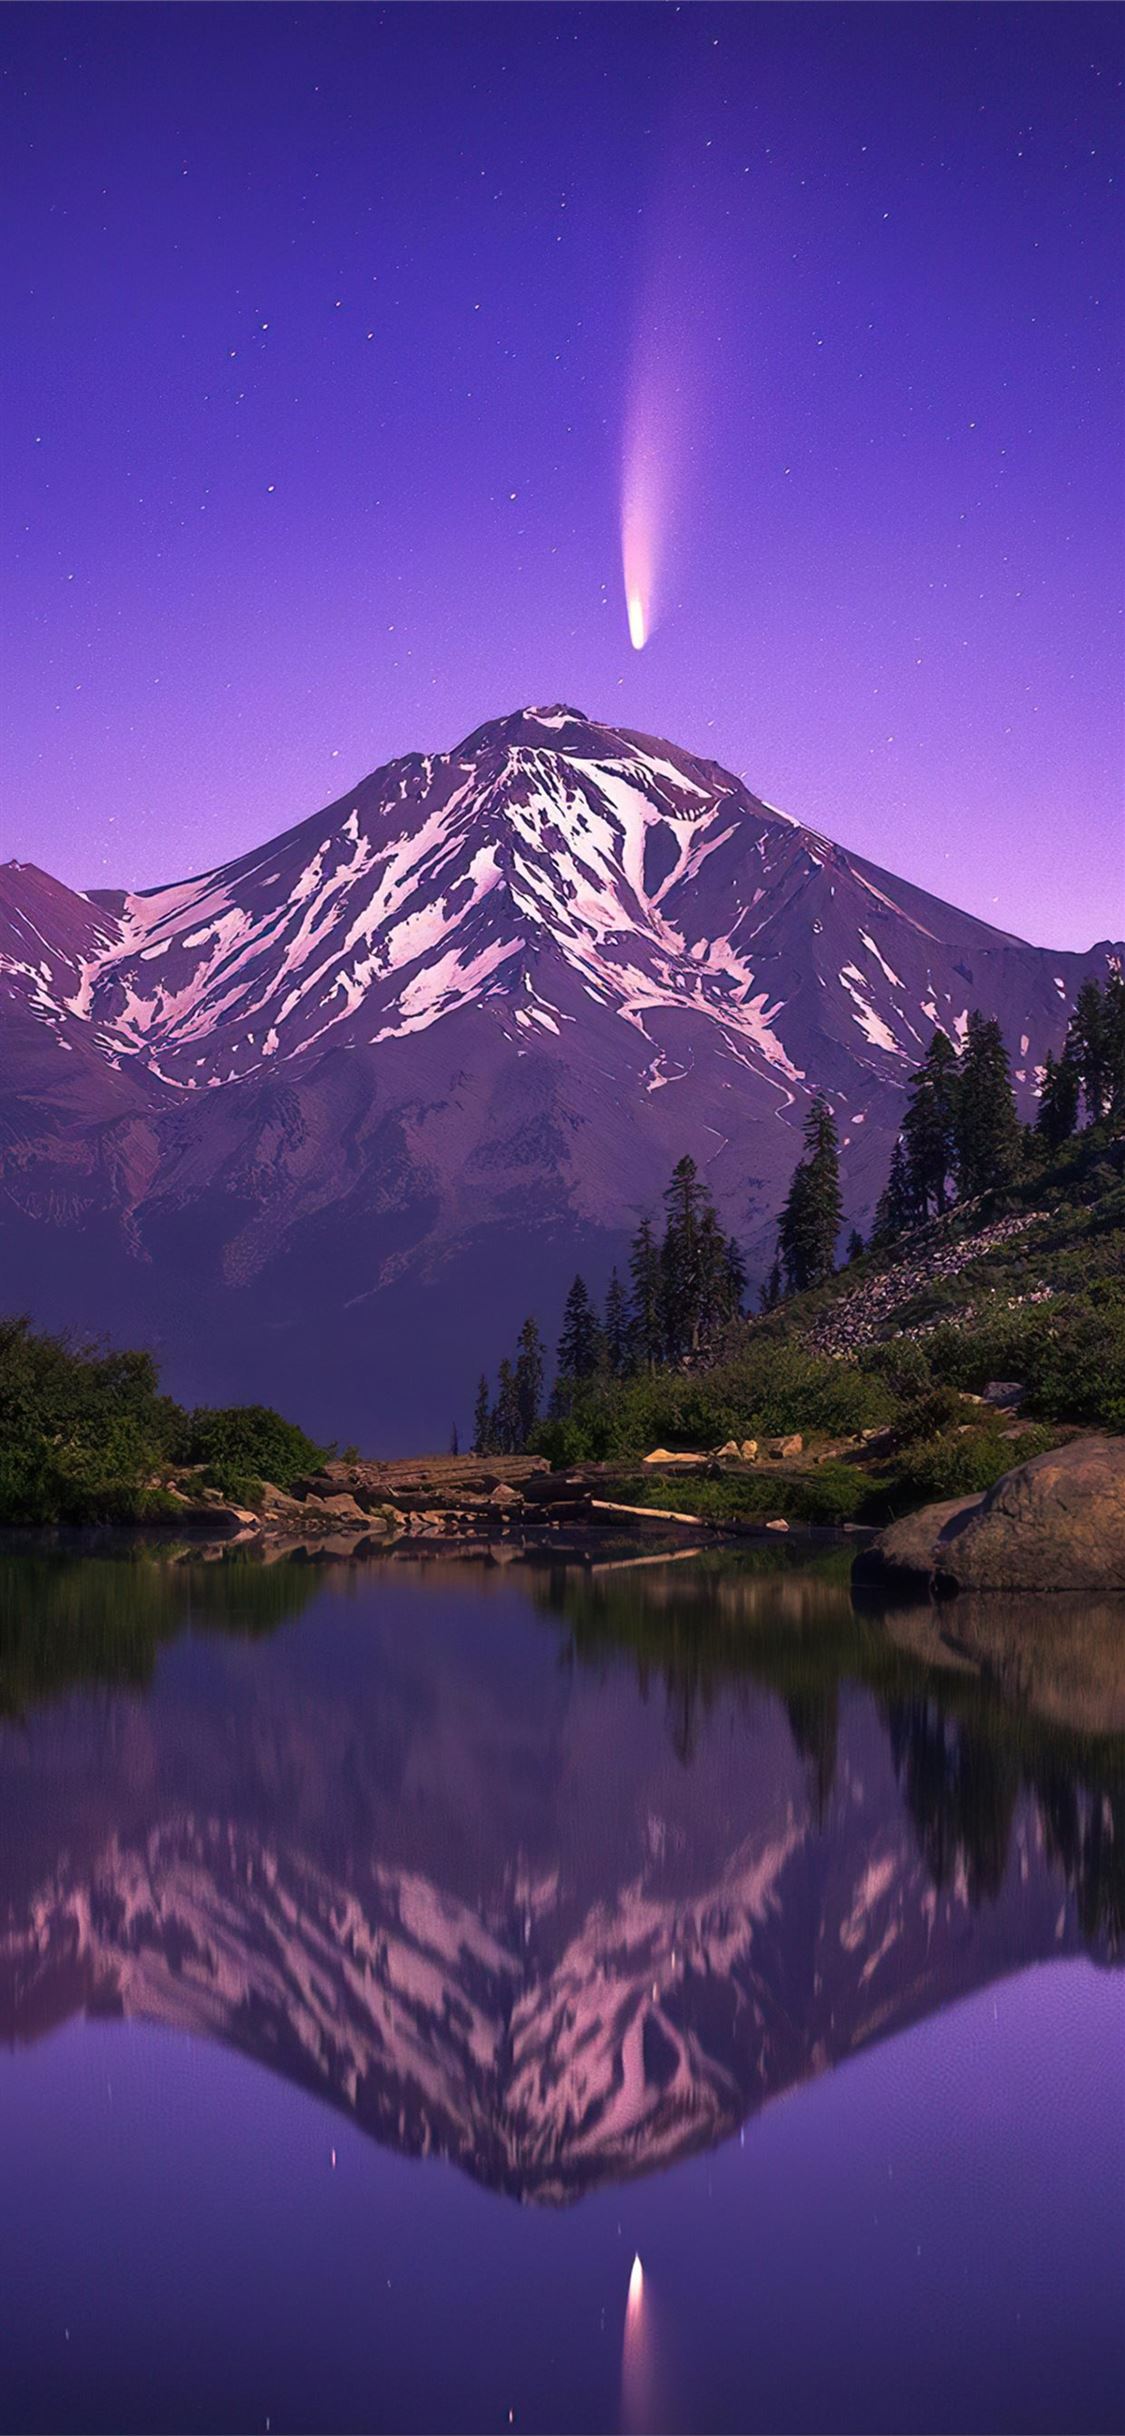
point(390, 1954)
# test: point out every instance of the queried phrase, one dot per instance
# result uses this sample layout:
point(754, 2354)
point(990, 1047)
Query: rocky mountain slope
point(322, 1123)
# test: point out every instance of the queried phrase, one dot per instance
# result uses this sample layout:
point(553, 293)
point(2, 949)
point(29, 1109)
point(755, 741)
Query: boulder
point(1054, 1523)
point(731, 1448)
point(906, 1556)
point(749, 1450)
point(342, 1506)
point(778, 1525)
point(1005, 1395)
point(661, 1454)
point(787, 1446)
point(502, 1495)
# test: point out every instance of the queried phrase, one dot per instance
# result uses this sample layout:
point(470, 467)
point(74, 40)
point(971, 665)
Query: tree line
point(961, 1134)
point(684, 1287)
point(961, 1137)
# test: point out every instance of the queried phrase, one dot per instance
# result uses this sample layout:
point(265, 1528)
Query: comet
point(665, 422)
point(644, 501)
point(636, 2285)
point(674, 355)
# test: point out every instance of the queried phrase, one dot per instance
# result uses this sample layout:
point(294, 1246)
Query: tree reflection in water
point(983, 1699)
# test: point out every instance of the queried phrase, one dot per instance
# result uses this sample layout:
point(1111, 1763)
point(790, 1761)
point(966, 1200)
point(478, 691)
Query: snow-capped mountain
point(489, 993)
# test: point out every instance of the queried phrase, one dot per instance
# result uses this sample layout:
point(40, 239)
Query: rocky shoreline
point(419, 1502)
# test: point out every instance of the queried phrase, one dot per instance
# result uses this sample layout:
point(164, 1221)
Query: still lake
point(390, 1954)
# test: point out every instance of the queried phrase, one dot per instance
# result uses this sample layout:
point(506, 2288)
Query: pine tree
point(1058, 1101)
point(796, 1230)
point(504, 1421)
point(687, 1202)
point(714, 1279)
point(894, 1210)
point(929, 1128)
point(1116, 1041)
point(769, 1294)
point(646, 1325)
point(810, 1220)
point(988, 1129)
point(1087, 1043)
point(455, 1440)
point(580, 1339)
point(528, 1381)
point(481, 1417)
point(615, 1327)
point(855, 1248)
point(736, 1279)
point(1114, 1027)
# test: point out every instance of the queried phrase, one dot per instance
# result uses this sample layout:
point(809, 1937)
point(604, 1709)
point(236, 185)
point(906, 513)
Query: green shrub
point(81, 1430)
point(963, 1465)
point(923, 1421)
point(765, 1390)
point(902, 1366)
point(239, 1488)
point(249, 1442)
point(1069, 1353)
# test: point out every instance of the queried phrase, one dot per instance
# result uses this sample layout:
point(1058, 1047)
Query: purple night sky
point(320, 330)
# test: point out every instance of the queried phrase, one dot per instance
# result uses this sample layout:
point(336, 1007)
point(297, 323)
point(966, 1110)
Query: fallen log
point(662, 1514)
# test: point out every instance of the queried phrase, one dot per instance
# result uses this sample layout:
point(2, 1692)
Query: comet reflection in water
point(640, 2381)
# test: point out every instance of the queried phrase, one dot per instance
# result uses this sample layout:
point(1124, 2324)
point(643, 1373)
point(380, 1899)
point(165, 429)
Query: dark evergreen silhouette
point(810, 1220)
point(929, 1128)
point(528, 1383)
point(1058, 1100)
point(504, 1420)
point(580, 1340)
point(989, 1142)
point(894, 1209)
point(856, 1247)
point(716, 1302)
point(686, 1201)
point(615, 1328)
point(1095, 1045)
point(482, 1415)
point(736, 1280)
point(646, 1316)
point(769, 1294)
point(1088, 1044)
point(1114, 1027)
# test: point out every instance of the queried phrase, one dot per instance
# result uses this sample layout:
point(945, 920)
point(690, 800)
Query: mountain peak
point(453, 1032)
point(546, 870)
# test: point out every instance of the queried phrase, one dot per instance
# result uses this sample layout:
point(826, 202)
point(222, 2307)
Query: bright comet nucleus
point(640, 523)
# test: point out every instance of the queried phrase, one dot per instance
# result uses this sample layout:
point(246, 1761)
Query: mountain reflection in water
point(560, 1872)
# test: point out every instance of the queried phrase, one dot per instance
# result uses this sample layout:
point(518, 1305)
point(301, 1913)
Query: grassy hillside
point(875, 1368)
